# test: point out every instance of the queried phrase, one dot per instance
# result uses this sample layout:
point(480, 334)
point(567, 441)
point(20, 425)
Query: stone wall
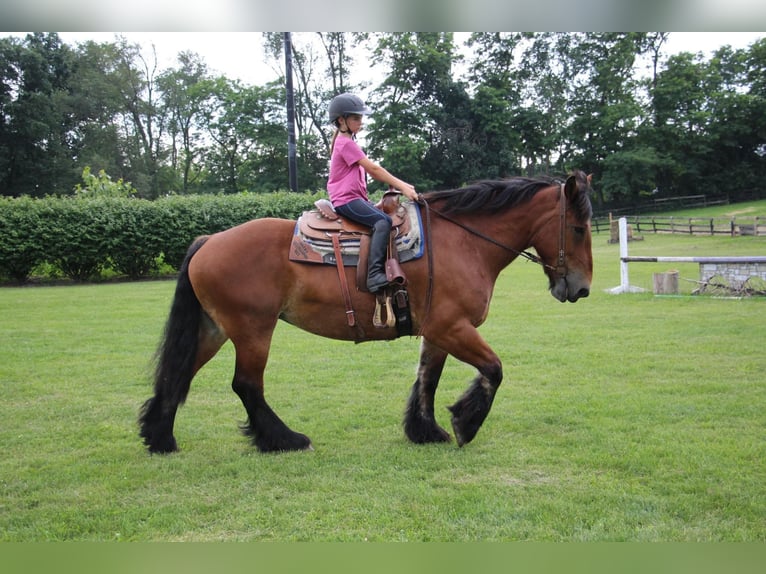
point(734, 273)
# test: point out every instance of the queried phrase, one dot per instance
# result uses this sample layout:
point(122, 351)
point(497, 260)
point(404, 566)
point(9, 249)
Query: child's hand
point(409, 191)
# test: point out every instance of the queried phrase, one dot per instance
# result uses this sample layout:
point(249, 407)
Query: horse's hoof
point(458, 436)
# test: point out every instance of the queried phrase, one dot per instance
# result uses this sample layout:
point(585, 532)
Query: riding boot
point(376, 271)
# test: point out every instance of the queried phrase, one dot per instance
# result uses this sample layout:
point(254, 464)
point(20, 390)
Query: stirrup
point(382, 300)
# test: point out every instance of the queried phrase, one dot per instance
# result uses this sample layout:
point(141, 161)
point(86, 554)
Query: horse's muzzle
point(565, 289)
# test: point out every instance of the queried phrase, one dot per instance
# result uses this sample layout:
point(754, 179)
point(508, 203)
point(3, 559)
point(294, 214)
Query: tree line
point(446, 112)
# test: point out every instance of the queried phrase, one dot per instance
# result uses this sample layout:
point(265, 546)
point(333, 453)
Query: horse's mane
point(492, 195)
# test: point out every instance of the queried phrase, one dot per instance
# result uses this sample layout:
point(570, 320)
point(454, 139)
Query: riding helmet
point(345, 104)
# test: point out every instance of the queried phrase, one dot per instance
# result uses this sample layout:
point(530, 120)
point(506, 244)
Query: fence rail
point(742, 225)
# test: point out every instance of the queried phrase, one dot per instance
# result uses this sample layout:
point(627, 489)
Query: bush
point(188, 217)
point(134, 235)
point(77, 235)
point(86, 234)
point(21, 248)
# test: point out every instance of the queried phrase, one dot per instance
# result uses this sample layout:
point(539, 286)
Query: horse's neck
point(490, 241)
point(517, 228)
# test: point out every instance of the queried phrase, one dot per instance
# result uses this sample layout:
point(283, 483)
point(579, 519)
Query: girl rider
point(347, 185)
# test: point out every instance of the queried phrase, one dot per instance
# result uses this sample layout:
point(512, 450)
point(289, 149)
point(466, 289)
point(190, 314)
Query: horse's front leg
point(468, 413)
point(420, 424)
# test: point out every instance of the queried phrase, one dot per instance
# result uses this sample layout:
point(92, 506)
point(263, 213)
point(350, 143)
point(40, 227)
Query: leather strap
point(343, 281)
point(561, 264)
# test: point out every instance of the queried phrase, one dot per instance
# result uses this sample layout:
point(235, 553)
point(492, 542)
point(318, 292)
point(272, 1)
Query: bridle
point(560, 267)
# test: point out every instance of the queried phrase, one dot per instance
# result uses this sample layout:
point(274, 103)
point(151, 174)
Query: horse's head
point(565, 244)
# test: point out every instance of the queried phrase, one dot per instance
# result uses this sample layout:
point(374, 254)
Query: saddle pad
point(313, 248)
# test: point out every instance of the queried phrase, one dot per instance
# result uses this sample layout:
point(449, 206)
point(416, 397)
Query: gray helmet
point(345, 104)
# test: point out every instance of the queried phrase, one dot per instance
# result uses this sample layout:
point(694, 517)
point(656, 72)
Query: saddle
point(322, 236)
point(312, 239)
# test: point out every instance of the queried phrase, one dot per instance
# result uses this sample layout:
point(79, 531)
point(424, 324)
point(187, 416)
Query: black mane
point(494, 195)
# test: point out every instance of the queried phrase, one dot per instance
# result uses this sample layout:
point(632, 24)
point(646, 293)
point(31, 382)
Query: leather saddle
point(322, 236)
point(315, 229)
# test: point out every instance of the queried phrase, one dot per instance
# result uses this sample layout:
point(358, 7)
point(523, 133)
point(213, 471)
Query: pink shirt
point(347, 178)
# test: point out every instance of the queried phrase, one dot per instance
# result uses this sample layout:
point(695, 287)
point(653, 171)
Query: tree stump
point(666, 283)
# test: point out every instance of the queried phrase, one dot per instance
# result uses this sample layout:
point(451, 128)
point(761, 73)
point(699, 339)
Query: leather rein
point(560, 267)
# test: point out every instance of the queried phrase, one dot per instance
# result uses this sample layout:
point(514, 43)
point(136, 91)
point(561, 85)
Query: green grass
point(745, 208)
point(621, 417)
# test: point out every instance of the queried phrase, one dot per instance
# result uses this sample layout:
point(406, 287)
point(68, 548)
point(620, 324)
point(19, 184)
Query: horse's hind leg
point(172, 384)
point(420, 424)
point(264, 427)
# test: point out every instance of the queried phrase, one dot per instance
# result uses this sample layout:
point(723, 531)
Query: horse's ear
point(590, 179)
point(570, 187)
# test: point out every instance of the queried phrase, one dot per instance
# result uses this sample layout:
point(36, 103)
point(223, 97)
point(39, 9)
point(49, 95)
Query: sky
point(239, 55)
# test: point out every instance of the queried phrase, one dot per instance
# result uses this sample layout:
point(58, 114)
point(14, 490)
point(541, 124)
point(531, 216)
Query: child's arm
point(381, 174)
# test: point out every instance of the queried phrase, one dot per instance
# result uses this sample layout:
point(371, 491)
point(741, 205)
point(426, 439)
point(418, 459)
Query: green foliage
point(499, 105)
point(21, 247)
point(134, 235)
point(101, 185)
point(101, 229)
point(188, 217)
point(76, 235)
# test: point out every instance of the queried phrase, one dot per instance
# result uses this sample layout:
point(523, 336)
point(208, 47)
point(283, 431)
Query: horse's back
point(243, 256)
point(246, 242)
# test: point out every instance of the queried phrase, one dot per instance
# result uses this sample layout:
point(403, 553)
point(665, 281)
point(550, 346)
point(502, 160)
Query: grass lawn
point(621, 417)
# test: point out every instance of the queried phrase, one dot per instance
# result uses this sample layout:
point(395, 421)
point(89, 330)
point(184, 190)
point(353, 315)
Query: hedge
point(83, 236)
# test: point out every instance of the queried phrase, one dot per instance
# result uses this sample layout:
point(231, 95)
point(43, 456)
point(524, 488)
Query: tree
point(100, 142)
point(681, 110)
point(186, 93)
point(36, 125)
point(247, 126)
point(602, 100)
point(321, 66)
point(422, 128)
point(141, 119)
point(756, 80)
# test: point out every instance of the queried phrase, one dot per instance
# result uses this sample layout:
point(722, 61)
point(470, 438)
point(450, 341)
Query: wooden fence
point(686, 225)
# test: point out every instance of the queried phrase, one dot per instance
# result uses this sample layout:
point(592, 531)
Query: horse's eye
point(579, 230)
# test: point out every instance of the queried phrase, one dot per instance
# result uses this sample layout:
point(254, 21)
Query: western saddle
point(322, 236)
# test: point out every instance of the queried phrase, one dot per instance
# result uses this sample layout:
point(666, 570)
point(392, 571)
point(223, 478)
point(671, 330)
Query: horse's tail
point(175, 359)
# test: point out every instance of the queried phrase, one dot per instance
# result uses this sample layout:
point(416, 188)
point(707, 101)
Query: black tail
point(175, 362)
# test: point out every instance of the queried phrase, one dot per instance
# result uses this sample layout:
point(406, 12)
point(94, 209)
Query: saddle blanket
point(318, 247)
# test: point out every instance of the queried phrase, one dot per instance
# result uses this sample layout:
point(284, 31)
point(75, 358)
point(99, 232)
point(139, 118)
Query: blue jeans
point(363, 212)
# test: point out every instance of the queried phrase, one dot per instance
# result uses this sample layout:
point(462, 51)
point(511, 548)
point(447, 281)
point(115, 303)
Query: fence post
point(625, 286)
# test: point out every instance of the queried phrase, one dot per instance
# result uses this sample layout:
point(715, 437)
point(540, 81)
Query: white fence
point(736, 269)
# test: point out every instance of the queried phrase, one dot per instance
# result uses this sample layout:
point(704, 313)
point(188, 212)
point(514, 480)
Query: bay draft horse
point(238, 283)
